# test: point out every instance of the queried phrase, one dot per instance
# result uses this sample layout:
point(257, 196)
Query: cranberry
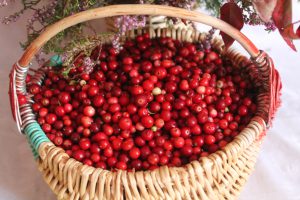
point(86, 121)
point(154, 107)
point(184, 85)
point(89, 111)
point(147, 121)
point(187, 151)
point(108, 152)
point(141, 100)
point(121, 165)
point(34, 89)
point(147, 135)
point(43, 112)
point(125, 123)
point(98, 101)
point(209, 139)
point(160, 72)
point(68, 107)
point(148, 85)
point(135, 153)
point(175, 132)
point(185, 132)
point(78, 155)
point(116, 144)
point(165, 115)
point(51, 118)
point(153, 159)
point(223, 124)
point(127, 144)
point(112, 161)
point(67, 144)
point(64, 97)
point(243, 110)
point(209, 127)
point(58, 140)
point(137, 90)
point(84, 144)
point(93, 90)
point(178, 142)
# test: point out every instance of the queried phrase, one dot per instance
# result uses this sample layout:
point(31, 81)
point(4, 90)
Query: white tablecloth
point(277, 172)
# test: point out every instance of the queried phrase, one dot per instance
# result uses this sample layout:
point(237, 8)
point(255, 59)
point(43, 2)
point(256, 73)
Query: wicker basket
point(221, 175)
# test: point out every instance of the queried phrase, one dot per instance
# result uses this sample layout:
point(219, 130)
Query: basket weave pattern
point(220, 175)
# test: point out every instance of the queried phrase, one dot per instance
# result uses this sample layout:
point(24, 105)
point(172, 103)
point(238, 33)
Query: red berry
point(93, 90)
point(34, 89)
point(147, 135)
point(147, 121)
point(160, 72)
point(243, 110)
point(153, 159)
point(127, 144)
point(43, 112)
point(134, 153)
point(185, 132)
point(116, 144)
point(86, 121)
point(51, 118)
point(64, 97)
point(95, 157)
point(58, 140)
point(103, 144)
point(89, 111)
point(178, 142)
point(175, 132)
point(112, 161)
point(148, 85)
point(137, 90)
point(187, 151)
point(60, 111)
point(108, 130)
point(184, 85)
point(209, 127)
point(141, 100)
point(209, 139)
point(121, 165)
point(84, 144)
point(125, 123)
point(223, 123)
point(98, 100)
point(68, 107)
point(127, 61)
point(78, 155)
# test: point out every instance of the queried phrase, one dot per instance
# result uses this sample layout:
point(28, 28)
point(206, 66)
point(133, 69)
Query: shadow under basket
point(221, 175)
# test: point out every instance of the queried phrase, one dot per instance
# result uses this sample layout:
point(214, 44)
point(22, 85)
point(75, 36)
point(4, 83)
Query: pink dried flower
point(88, 65)
point(270, 26)
point(3, 3)
point(125, 23)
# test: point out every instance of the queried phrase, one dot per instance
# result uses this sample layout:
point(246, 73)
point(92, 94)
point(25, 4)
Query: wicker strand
point(271, 84)
point(16, 87)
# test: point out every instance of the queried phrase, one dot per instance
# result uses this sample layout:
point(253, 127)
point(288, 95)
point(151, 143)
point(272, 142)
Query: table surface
point(277, 172)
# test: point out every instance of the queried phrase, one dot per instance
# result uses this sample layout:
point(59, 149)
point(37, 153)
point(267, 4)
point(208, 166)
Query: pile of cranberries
point(156, 102)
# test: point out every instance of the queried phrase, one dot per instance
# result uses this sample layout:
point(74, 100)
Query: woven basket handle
point(263, 62)
point(133, 9)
